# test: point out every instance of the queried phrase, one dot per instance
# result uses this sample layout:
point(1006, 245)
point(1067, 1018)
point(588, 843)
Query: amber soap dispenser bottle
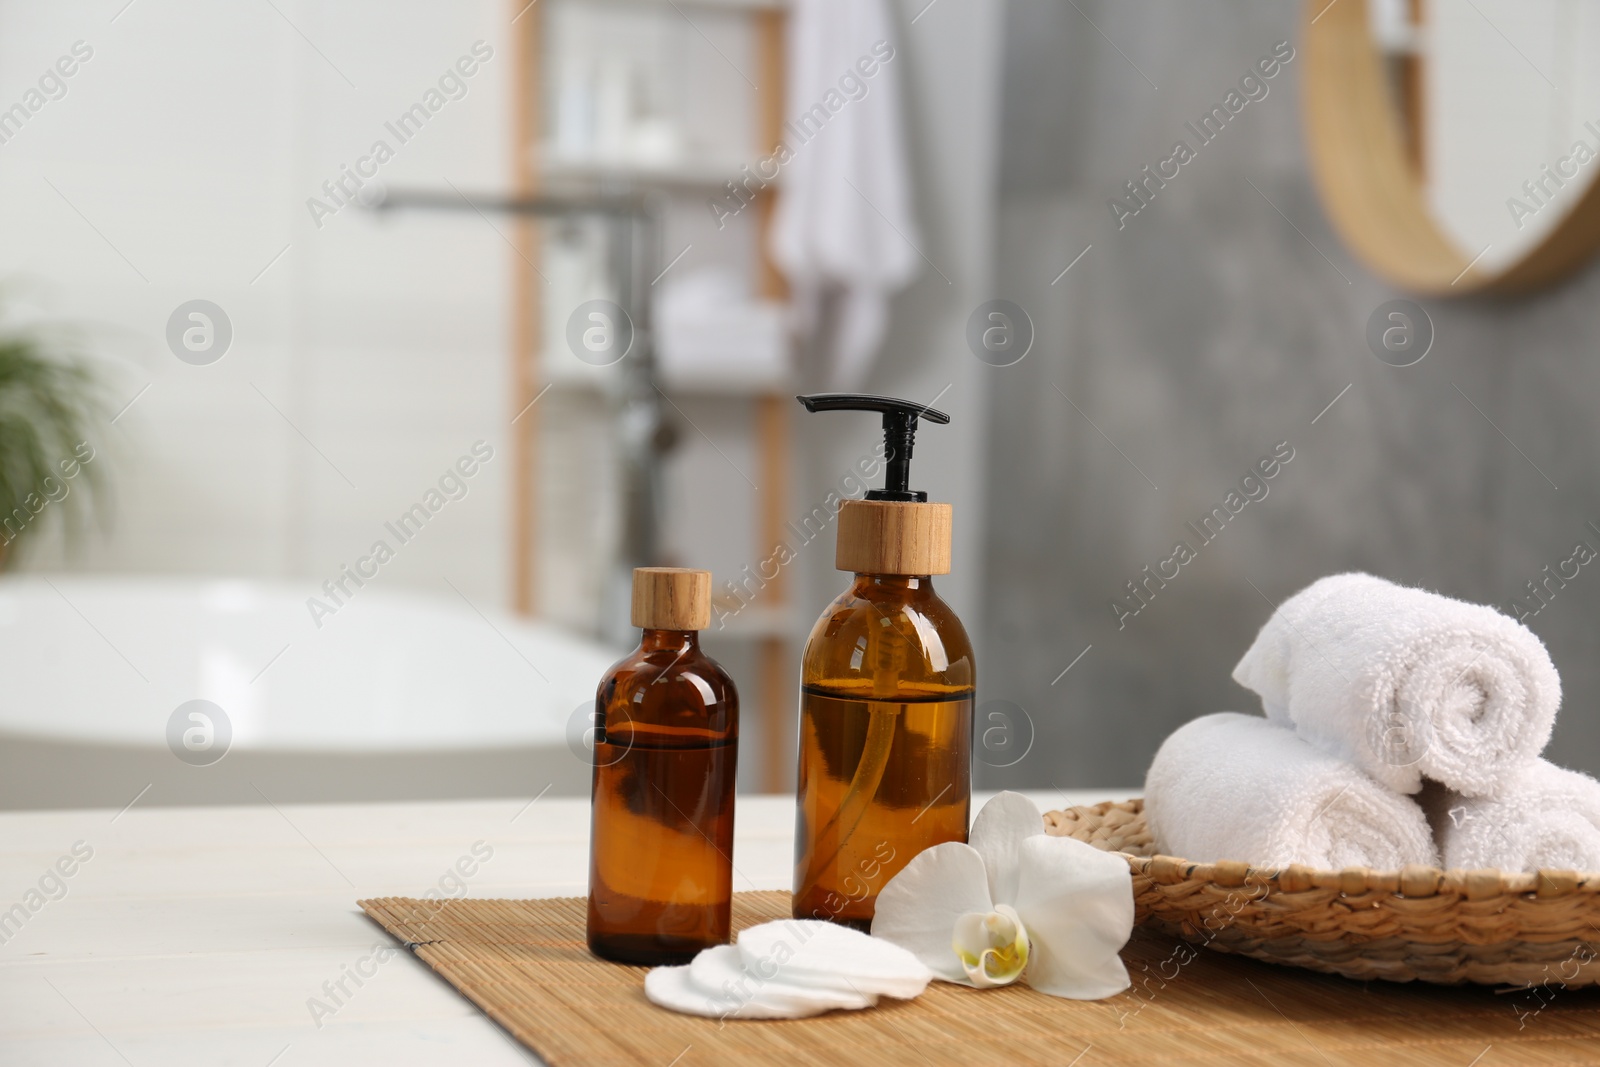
point(666, 737)
point(886, 691)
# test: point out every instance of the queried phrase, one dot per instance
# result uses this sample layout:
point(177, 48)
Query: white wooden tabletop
point(177, 936)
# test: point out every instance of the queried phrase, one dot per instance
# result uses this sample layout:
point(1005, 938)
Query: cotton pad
point(675, 989)
point(669, 988)
point(823, 955)
point(789, 969)
point(719, 974)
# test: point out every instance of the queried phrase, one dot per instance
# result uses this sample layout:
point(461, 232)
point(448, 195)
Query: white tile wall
point(191, 140)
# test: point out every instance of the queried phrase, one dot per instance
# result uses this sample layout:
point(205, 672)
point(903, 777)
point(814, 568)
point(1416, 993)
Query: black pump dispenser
point(899, 431)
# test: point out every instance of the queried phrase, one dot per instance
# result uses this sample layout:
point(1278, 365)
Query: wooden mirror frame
point(1373, 195)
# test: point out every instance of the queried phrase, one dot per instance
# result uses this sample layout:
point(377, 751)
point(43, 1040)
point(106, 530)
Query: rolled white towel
point(1545, 816)
point(1405, 683)
point(1237, 787)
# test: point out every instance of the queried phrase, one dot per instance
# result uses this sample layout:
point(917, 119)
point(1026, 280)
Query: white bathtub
point(397, 695)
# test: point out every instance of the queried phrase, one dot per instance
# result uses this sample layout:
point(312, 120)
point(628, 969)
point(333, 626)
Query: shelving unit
point(538, 163)
point(707, 174)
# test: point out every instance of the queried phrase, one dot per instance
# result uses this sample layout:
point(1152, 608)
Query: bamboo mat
point(524, 962)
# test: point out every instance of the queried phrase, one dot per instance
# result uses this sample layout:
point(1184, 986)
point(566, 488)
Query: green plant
point(47, 404)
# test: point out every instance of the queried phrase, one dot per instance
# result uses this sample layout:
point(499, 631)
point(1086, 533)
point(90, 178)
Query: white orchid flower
point(1014, 899)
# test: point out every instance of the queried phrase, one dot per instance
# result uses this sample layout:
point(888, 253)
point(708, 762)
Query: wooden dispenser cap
point(671, 598)
point(891, 537)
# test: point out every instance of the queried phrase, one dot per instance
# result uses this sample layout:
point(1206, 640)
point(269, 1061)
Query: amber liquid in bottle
point(661, 832)
point(886, 695)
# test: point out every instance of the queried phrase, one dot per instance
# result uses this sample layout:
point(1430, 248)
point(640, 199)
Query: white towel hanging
point(844, 225)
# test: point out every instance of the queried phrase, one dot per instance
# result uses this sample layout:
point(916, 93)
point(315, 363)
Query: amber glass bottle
point(886, 693)
point(665, 754)
point(885, 742)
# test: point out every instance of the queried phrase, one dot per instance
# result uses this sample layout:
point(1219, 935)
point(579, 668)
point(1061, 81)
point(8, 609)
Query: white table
point(202, 935)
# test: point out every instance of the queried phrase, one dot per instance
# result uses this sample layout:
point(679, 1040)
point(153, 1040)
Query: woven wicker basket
point(1415, 924)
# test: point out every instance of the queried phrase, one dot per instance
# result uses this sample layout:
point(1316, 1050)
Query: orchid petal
point(997, 833)
point(1076, 903)
point(919, 907)
point(993, 948)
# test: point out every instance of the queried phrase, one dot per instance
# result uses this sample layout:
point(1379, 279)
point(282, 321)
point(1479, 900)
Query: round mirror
point(1456, 142)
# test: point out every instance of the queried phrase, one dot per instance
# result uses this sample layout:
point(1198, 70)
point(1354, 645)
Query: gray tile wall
point(1218, 322)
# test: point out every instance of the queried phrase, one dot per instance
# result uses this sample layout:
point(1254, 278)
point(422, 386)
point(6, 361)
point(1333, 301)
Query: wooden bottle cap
point(671, 598)
point(890, 537)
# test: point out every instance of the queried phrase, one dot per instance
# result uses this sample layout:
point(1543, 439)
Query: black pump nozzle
point(899, 431)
